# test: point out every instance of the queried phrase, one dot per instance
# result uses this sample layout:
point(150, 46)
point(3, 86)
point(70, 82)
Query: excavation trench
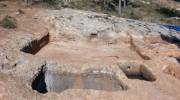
point(34, 46)
point(140, 72)
point(51, 82)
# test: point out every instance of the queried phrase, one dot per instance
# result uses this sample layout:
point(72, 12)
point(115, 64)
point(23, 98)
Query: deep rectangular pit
point(59, 83)
point(34, 46)
point(50, 82)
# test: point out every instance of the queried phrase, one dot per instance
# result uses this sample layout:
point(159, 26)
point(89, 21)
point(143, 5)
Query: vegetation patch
point(51, 2)
point(145, 10)
point(168, 12)
point(8, 22)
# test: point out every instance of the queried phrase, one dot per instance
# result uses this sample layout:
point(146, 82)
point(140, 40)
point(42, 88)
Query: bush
point(135, 16)
point(8, 22)
point(52, 2)
point(136, 4)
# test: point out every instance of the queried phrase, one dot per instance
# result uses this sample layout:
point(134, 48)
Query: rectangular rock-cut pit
point(136, 71)
point(34, 46)
point(51, 82)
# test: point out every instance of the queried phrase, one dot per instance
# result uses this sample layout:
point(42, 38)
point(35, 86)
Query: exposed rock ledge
point(77, 24)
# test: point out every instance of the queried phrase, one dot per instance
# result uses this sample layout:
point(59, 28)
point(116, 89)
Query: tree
point(120, 5)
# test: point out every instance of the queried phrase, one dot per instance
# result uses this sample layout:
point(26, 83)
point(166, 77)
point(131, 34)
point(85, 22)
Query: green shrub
point(136, 4)
point(135, 16)
point(52, 2)
point(8, 22)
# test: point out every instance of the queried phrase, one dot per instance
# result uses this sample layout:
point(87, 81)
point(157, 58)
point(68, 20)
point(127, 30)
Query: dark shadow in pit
point(171, 39)
point(61, 82)
point(178, 59)
point(93, 35)
point(39, 83)
point(34, 46)
point(140, 77)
